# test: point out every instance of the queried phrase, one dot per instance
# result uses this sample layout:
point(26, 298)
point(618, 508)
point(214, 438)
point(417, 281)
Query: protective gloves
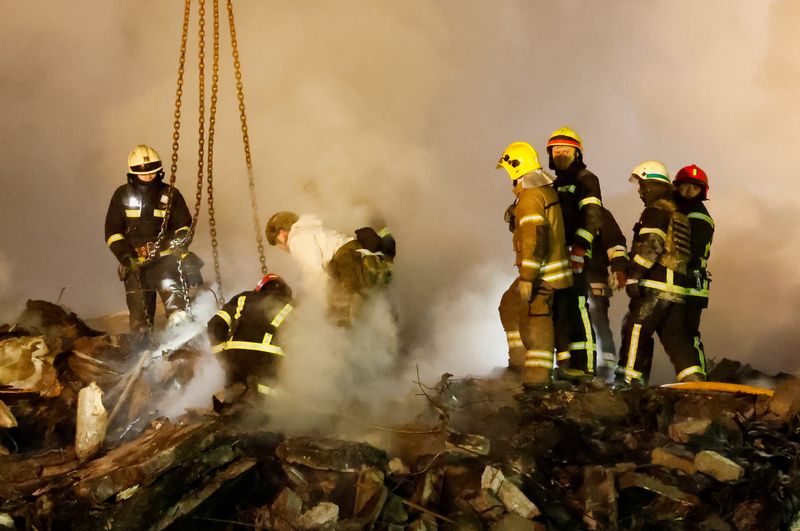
point(576, 259)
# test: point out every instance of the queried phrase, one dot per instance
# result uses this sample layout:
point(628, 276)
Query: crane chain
point(174, 166)
point(212, 118)
point(246, 139)
point(201, 45)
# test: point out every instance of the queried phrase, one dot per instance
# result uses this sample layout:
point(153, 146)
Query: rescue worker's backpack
point(677, 246)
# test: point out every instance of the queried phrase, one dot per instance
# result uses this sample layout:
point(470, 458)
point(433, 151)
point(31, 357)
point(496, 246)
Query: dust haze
point(400, 110)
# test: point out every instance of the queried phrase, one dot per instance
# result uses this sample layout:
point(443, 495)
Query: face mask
point(563, 162)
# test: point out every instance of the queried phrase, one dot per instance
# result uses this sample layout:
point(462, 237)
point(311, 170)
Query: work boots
point(534, 376)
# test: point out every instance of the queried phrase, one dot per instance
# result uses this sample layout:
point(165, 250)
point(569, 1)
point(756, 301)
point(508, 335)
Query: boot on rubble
point(535, 376)
point(694, 377)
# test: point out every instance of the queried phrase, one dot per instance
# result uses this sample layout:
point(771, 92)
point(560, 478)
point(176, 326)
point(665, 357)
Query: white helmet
point(144, 159)
point(650, 170)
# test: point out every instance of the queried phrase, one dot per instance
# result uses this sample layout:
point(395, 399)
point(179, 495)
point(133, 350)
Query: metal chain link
point(201, 136)
point(176, 132)
point(246, 140)
point(212, 118)
point(174, 167)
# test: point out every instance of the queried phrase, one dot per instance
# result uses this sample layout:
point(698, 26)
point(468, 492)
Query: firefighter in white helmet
point(657, 283)
point(581, 201)
point(133, 222)
point(345, 268)
point(526, 308)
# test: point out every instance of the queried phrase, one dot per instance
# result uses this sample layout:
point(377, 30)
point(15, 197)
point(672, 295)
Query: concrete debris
point(717, 466)
point(682, 431)
point(26, 364)
point(323, 516)
point(785, 403)
point(481, 454)
point(92, 421)
point(7, 419)
point(675, 458)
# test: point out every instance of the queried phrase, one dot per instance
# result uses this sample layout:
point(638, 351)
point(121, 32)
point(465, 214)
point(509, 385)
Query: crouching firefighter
point(245, 335)
point(148, 263)
point(346, 268)
point(657, 282)
point(541, 259)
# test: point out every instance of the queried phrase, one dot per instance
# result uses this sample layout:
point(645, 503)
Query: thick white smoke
point(402, 109)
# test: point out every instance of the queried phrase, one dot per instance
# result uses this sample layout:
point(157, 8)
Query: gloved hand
point(576, 259)
point(525, 288)
point(129, 266)
point(618, 280)
point(633, 289)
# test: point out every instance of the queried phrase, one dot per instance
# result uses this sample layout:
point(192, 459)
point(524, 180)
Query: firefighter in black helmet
point(133, 223)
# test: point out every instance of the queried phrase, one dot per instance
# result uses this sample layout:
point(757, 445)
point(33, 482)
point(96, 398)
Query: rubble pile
point(481, 454)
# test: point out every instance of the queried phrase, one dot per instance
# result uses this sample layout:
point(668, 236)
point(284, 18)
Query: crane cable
point(246, 140)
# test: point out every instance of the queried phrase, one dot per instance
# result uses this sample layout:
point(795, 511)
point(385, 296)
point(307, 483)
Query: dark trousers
point(693, 313)
point(648, 314)
point(574, 337)
point(598, 311)
point(158, 277)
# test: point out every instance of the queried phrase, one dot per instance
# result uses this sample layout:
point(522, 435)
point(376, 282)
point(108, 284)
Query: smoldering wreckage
point(84, 448)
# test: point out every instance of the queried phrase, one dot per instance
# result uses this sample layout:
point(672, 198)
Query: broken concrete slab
point(59, 327)
point(682, 431)
point(513, 499)
point(718, 467)
point(285, 510)
point(514, 522)
point(785, 402)
point(674, 458)
point(487, 505)
point(26, 364)
point(92, 421)
point(323, 516)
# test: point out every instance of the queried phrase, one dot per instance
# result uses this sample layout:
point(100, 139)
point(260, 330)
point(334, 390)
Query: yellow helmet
point(519, 159)
point(565, 137)
point(282, 220)
point(143, 159)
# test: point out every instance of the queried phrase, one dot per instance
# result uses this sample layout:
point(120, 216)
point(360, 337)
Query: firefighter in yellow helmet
point(526, 308)
point(134, 221)
point(579, 195)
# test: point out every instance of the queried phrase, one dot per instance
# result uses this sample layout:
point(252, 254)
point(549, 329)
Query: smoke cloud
point(358, 110)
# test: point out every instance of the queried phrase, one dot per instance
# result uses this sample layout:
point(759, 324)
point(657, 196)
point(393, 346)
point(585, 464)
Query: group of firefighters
point(148, 228)
point(566, 242)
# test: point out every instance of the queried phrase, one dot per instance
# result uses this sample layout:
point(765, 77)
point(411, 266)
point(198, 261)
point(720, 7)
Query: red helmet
point(693, 174)
point(273, 280)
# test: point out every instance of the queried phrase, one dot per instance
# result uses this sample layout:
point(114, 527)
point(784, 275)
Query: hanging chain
point(176, 132)
point(201, 137)
point(212, 118)
point(246, 140)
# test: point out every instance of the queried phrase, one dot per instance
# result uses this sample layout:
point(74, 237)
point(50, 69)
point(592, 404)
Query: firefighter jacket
point(539, 240)
point(313, 246)
point(702, 227)
point(250, 322)
point(661, 248)
point(609, 249)
point(135, 214)
point(579, 194)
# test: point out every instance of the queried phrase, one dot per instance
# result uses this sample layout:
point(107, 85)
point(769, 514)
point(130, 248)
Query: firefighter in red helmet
point(691, 190)
point(245, 334)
